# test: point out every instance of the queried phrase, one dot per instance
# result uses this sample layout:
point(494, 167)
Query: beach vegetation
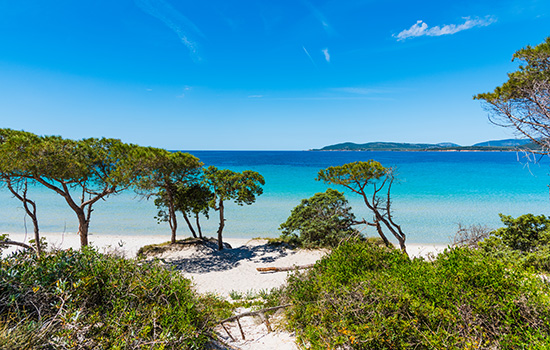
point(191, 201)
point(163, 174)
point(525, 233)
point(12, 179)
point(82, 172)
point(323, 220)
point(87, 300)
point(373, 183)
point(523, 242)
point(154, 250)
point(522, 102)
point(227, 185)
point(471, 236)
point(366, 296)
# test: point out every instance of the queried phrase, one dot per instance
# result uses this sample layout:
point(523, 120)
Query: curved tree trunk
point(220, 228)
point(198, 225)
point(36, 232)
point(189, 225)
point(30, 212)
point(388, 223)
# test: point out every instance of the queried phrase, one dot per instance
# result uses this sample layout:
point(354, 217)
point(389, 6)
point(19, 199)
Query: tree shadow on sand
point(208, 258)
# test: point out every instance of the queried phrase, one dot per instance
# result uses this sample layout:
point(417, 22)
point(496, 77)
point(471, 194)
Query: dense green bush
point(525, 233)
point(323, 220)
point(523, 242)
point(363, 296)
point(86, 300)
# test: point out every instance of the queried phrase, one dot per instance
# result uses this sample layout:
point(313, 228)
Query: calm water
point(436, 191)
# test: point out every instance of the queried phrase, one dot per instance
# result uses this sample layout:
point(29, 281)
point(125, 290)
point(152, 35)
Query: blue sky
point(260, 74)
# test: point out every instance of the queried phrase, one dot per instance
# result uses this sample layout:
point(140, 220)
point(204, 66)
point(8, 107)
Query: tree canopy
point(82, 172)
point(227, 185)
point(523, 102)
point(359, 177)
point(191, 200)
point(162, 173)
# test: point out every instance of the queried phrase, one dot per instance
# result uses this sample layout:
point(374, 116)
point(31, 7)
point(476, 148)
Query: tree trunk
point(198, 225)
point(189, 224)
point(32, 213)
point(36, 234)
point(220, 228)
point(381, 233)
point(83, 226)
point(172, 220)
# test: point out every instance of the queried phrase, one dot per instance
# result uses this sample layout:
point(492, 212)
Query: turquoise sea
point(435, 192)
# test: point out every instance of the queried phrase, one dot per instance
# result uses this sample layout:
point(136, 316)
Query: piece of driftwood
point(281, 269)
point(260, 313)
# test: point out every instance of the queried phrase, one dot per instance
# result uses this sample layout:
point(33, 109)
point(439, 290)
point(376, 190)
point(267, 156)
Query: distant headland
point(493, 145)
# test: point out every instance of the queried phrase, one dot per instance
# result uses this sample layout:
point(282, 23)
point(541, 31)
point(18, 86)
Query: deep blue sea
point(436, 191)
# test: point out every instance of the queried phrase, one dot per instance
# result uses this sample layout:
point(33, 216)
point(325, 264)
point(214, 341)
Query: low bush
point(363, 296)
point(523, 242)
point(323, 220)
point(87, 300)
point(525, 233)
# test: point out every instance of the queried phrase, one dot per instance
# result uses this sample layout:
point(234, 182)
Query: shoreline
point(130, 244)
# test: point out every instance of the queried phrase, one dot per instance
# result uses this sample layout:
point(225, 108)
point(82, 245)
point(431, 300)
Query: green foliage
point(363, 296)
point(524, 242)
point(323, 220)
point(194, 199)
point(535, 68)
point(525, 233)
point(368, 179)
point(356, 175)
point(75, 300)
point(190, 199)
point(241, 188)
point(522, 103)
point(91, 168)
point(227, 185)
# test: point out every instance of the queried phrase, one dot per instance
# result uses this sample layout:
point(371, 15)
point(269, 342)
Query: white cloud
point(420, 28)
point(255, 96)
point(327, 55)
point(174, 20)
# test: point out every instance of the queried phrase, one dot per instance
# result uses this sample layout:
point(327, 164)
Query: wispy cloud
point(327, 55)
point(308, 55)
point(420, 28)
point(185, 90)
point(174, 20)
point(255, 96)
point(320, 17)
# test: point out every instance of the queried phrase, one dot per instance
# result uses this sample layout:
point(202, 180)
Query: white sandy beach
point(222, 272)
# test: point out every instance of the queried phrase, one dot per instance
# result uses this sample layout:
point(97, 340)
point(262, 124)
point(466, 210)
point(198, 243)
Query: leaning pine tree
point(362, 177)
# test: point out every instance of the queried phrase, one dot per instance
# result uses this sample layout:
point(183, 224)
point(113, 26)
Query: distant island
point(493, 145)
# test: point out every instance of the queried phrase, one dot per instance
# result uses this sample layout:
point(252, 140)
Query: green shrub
point(86, 300)
point(524, 242)
point(323, 220)
point(525, 233)
point(363, 296)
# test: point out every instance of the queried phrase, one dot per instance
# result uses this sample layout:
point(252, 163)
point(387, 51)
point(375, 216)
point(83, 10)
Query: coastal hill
point(493, 145)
